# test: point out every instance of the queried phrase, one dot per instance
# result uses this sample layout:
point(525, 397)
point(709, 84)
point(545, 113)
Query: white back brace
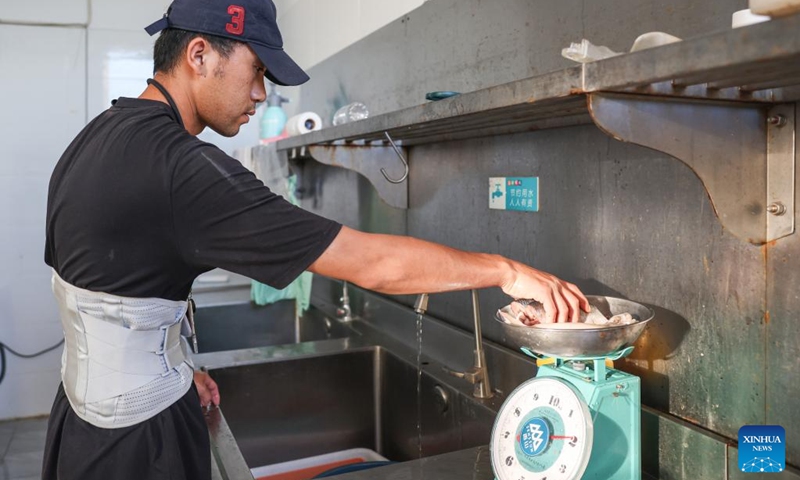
point(125, 359)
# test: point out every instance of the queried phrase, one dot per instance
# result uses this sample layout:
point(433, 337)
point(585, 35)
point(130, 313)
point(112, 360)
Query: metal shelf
point(747, 72)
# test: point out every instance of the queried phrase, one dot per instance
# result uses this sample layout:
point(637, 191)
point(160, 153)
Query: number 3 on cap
point(236, 27)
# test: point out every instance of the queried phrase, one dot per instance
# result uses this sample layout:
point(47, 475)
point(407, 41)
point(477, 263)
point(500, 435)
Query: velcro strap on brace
point(135, 352)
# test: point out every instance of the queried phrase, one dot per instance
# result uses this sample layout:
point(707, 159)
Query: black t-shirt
point(138, 207)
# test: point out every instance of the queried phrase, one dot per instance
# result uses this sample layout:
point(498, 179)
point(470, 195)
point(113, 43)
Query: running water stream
point(419, 384)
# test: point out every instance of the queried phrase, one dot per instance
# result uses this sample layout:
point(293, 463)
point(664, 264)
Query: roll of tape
point(303, 123)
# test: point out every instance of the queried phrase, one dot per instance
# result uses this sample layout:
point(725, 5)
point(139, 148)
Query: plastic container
point(745, 17)
point(355, 467)
point(350, 113)
point(274, 118)
point(586, 52)
point(310, 467)
point(653, 39)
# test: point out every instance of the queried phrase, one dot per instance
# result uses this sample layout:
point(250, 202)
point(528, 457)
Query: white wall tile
point(45, 107)
point(29, 394)
point(247, 137)
point(36, 338)
point(119, 64)
point(313, 30)
point(336, 25)
point(62, 12)
point(284, 6)
point(375, 15)
point(29, 304)
point(297, 29)
point(11, 262)
point(24, 201)
point(127, 15)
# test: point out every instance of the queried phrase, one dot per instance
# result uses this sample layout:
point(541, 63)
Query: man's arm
point(405, 265)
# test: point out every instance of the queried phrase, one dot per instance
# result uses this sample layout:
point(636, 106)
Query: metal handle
point(454, 373)
point(190, 310)
point(402, 159)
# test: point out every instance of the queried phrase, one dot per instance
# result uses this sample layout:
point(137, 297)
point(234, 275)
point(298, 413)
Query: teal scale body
point(614, 400)
point(577, 419)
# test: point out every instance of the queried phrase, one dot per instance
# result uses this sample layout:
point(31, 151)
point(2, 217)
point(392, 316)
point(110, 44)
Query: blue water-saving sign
point(762, 448)
point(514, 193)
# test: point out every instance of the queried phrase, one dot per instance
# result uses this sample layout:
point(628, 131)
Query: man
point(138, 207)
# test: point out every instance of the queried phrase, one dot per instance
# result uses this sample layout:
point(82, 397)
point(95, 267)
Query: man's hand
point(562, 301)
point(206, 388)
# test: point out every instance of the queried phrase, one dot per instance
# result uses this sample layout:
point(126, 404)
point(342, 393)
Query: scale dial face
point(543, 431)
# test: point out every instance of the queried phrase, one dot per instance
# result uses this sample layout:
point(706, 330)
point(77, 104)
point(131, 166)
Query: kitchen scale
point(577, 418)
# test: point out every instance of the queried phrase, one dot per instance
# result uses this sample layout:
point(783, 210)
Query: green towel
point(299, 289)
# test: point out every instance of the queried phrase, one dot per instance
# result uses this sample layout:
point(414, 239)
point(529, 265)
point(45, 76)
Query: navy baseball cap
point(250, 21)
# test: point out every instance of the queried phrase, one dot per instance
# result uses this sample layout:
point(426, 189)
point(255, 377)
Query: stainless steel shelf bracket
point(369, 160)
point(744, 153)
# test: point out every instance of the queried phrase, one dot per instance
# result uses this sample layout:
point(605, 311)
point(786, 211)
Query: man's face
point(230, 90)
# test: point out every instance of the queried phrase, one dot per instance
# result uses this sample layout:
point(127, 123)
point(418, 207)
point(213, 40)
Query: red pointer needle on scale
point(563, 437)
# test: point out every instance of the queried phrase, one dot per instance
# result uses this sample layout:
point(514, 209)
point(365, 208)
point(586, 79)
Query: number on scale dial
point(543, 431)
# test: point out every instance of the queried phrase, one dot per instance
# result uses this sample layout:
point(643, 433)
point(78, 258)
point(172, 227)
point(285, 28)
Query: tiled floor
point(21, 448)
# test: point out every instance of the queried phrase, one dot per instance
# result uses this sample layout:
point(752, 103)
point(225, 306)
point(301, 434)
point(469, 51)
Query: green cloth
point(299, 289)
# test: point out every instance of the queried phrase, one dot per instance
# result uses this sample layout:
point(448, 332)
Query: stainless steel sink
point(325, 385)
point(367, 397)
point(240, 326)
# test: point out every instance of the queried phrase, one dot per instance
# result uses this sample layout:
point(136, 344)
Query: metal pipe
point(478, 374)
point(482, 387)
point(476, 317)
point(344, 311)
point(421, 304)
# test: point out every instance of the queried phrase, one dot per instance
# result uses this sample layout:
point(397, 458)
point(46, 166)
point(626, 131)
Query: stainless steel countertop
point(468, 464)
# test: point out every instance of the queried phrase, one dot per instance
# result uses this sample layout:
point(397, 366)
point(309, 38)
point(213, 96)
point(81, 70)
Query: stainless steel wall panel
point(466, 45)
point(346, 197)
point(616, 219)
point(782, 346)
point(619, 220)
point(677, 451)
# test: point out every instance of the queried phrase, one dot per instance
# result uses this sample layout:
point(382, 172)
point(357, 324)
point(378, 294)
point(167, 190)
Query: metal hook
point(402, 158)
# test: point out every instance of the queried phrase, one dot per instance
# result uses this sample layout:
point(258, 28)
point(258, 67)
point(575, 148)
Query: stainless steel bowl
point(589, 342)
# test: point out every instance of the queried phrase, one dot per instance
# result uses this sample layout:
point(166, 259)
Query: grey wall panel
point(346, 197)
point(615, 219)
point(467, 45)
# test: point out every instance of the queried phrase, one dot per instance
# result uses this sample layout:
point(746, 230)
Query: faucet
point(478, 375)
point(344, 311)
